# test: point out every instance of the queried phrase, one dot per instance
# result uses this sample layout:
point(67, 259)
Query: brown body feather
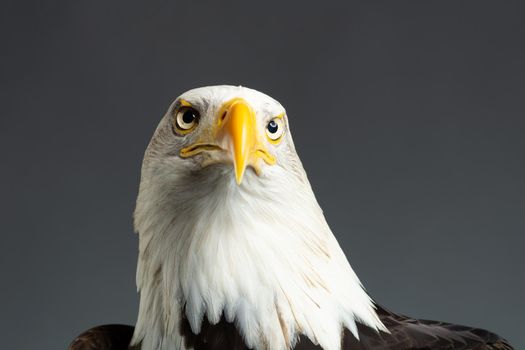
point(405, 334)
point(107, 337)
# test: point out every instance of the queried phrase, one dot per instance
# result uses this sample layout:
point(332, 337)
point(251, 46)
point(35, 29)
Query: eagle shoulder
point(105, 337)
point(408, 333)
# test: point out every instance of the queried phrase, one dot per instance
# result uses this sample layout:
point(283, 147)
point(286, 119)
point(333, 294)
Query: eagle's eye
point(186, 120)
point(275, 129)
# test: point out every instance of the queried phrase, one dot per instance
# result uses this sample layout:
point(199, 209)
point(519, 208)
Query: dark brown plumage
point(405, 334)
point(107, 337)
point(408, 333)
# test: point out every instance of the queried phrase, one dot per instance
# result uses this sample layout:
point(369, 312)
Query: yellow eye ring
point(185, 120)
point(275, 130)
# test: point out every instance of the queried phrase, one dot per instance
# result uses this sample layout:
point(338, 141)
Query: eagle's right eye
point(186, 120)
point(275, 129)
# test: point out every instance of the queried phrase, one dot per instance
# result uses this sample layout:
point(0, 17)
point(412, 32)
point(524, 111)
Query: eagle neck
point(262, 258)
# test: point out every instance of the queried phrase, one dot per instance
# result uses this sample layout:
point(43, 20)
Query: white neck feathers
point(259, 254)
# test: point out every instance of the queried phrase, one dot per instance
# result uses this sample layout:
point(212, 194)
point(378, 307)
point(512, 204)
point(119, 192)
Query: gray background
point(408, 115)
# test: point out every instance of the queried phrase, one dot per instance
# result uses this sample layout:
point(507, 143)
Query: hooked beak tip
point(238, 178)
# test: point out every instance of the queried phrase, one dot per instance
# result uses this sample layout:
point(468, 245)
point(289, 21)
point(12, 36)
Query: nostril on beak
point(223, 116)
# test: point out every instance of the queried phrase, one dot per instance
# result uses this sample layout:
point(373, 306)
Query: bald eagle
point(234, 250)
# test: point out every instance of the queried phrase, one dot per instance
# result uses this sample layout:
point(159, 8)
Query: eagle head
point(229, 229)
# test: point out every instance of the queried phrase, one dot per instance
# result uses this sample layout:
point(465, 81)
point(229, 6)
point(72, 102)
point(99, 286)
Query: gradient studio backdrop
point(408, 116)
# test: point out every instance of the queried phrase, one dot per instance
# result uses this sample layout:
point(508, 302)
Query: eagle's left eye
point(186, 120)
point(275, 129)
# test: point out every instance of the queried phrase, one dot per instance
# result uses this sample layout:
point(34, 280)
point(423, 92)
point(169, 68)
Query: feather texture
point(405, 333)
point(259, 253)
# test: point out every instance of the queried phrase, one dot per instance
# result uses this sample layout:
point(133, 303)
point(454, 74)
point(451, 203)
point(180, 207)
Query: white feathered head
point(229, 227)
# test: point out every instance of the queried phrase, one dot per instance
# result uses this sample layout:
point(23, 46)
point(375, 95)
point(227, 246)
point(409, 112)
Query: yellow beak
point(239, 127)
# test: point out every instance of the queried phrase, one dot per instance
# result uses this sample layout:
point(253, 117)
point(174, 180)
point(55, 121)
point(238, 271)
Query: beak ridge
point(239, 126)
